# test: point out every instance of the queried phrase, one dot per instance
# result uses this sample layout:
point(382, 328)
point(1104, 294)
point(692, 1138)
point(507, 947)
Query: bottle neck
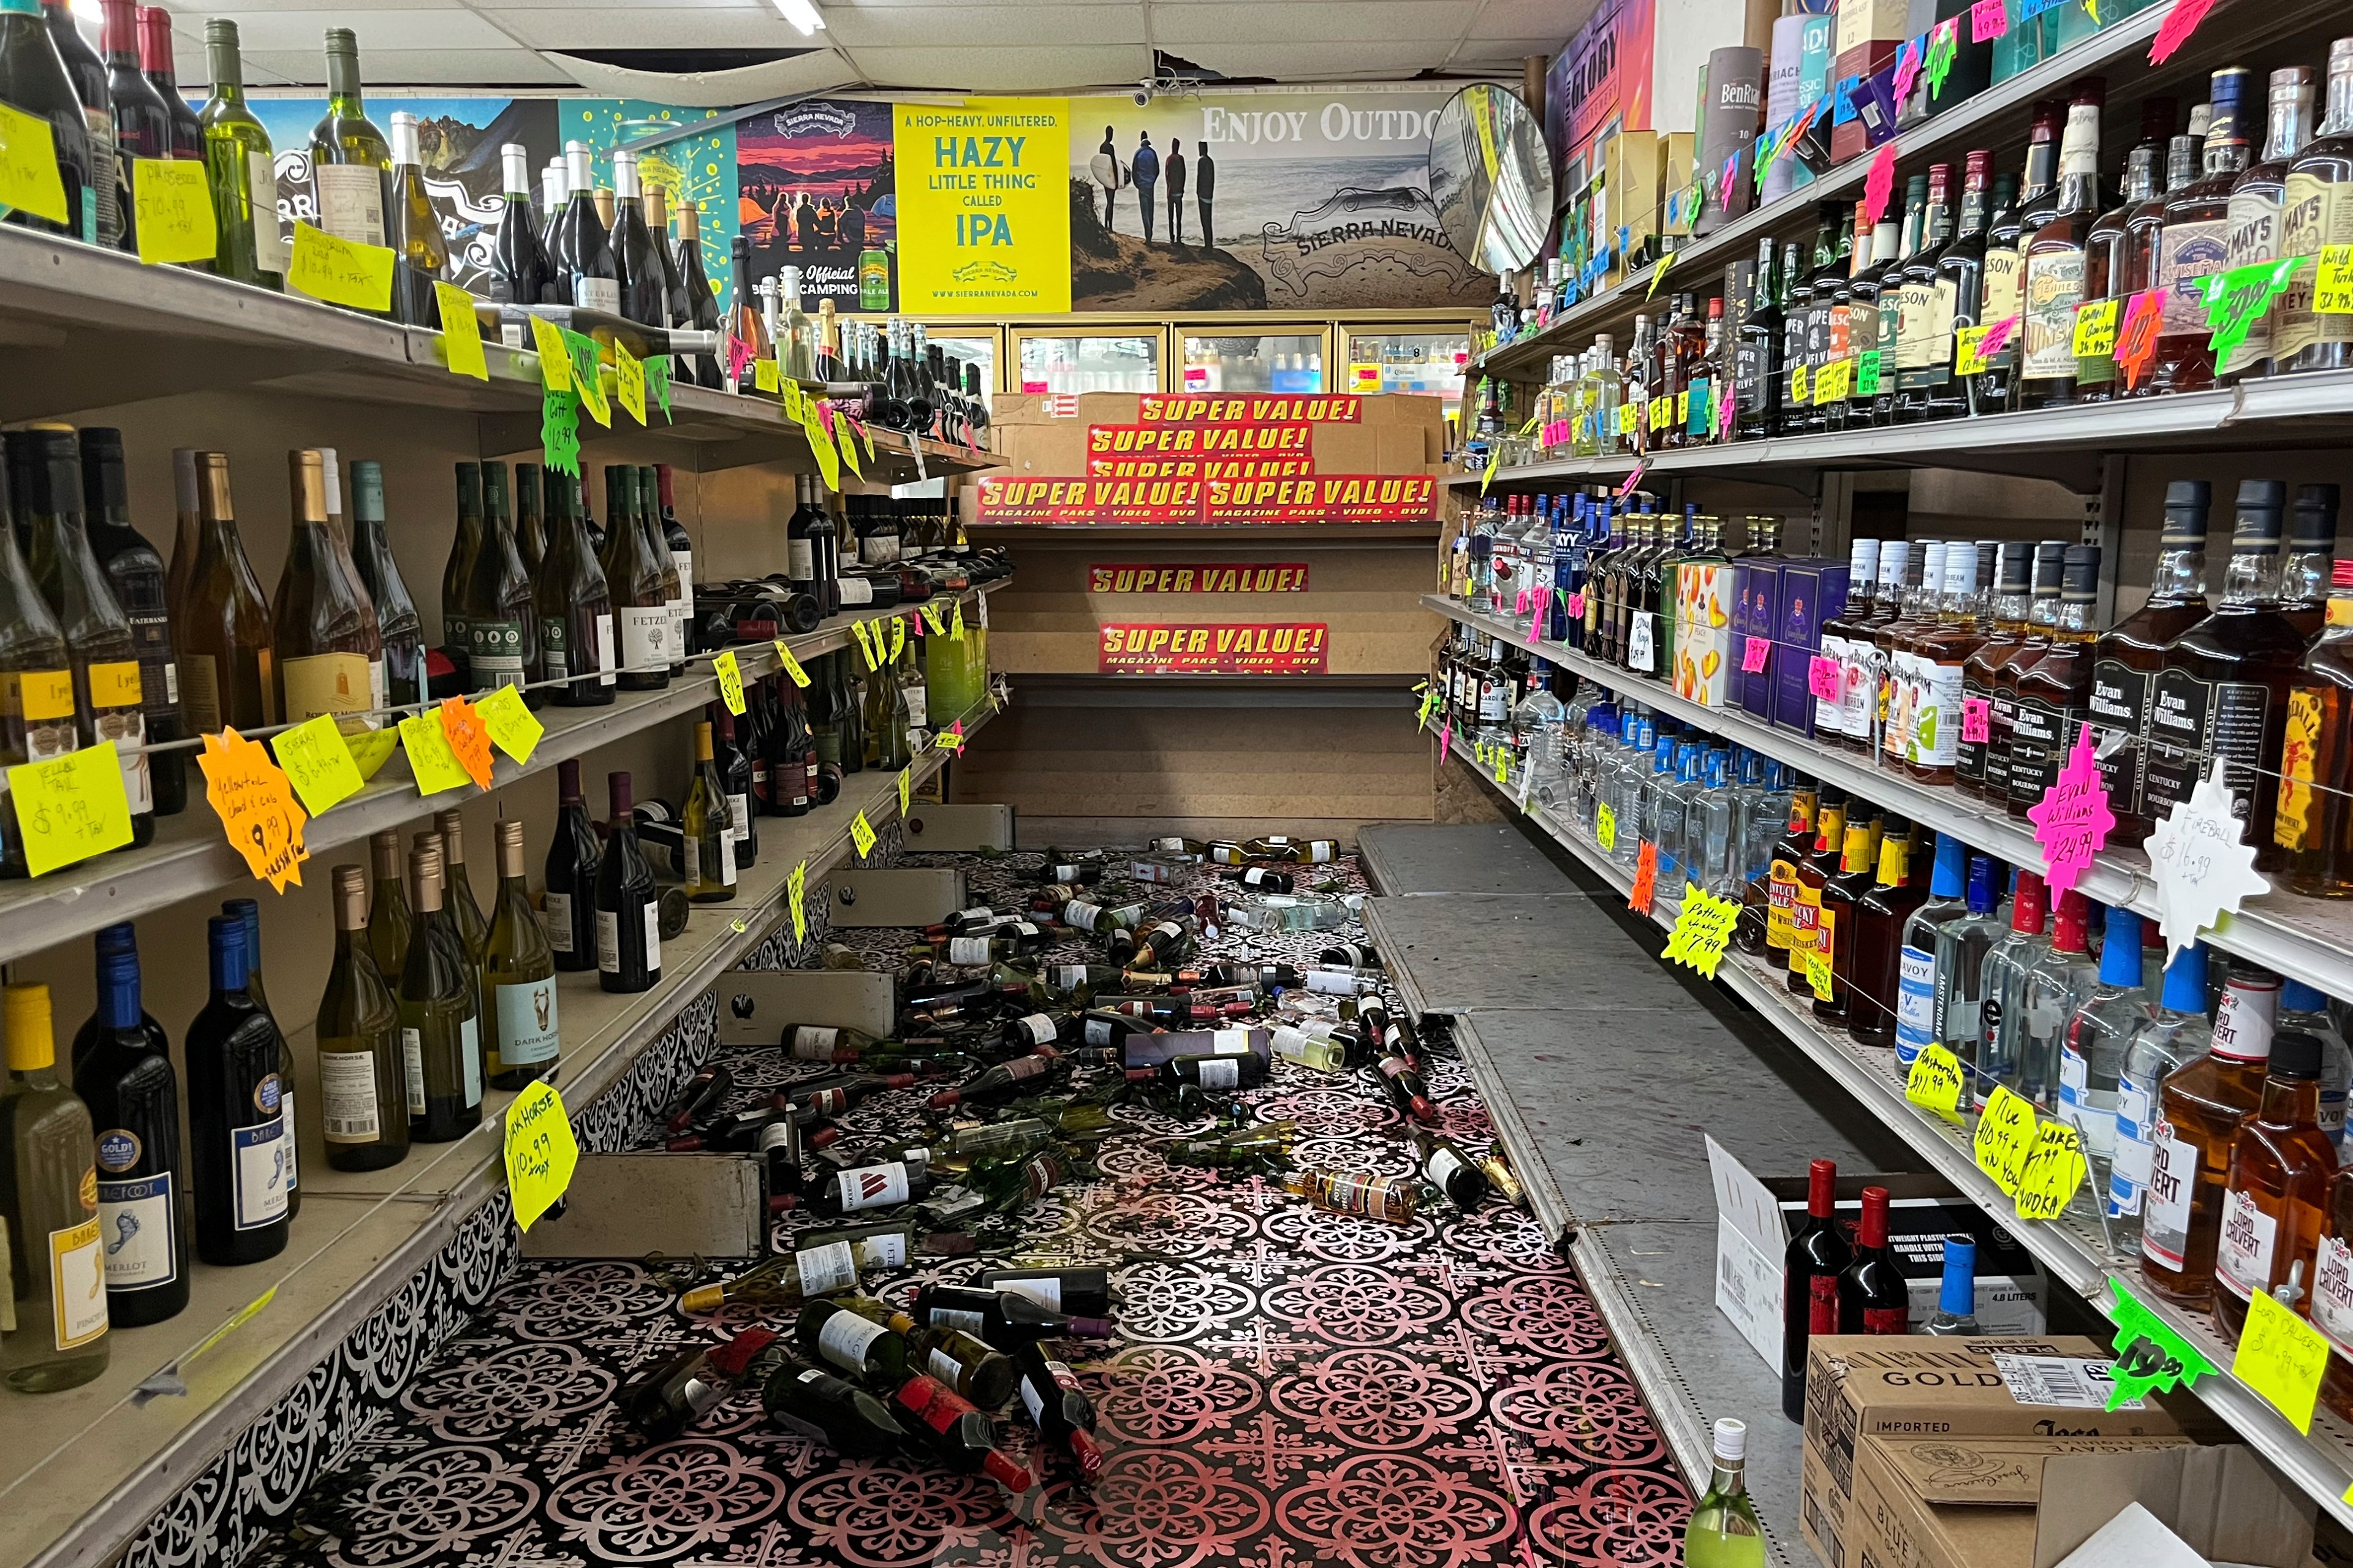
point(2180, 572)
point(2290, 1101)
point(2289, 129)
point(2340, 104)
point(2253, 578)
point(226, 65)
point(1727, 1477)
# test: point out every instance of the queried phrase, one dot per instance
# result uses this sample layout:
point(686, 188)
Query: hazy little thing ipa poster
point(984, 206)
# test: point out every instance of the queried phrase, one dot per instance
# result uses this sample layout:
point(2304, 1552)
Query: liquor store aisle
point(1281, 1384)
point(1605, 1081)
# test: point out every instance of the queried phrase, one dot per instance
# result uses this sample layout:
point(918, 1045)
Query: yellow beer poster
point(984, 209)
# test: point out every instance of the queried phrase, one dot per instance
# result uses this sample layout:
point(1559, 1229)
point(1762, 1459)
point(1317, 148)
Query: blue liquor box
point(1812, 591)
point(1755, 615)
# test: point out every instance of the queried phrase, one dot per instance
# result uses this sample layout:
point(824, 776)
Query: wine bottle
point(978, 1372)
point(575, 609)
point(41, 723)
point(501, 627)
point(351, 163)
point(33, 82)
point(155, 65)
point(136, 573)
point(465, 911)
point(951, 1431)
point(240, 1155)
point(127, 1080)
point(826, 1409)
point(584, 253)
point(86, 74)
point(629, 918)
point(638, 581)
point(249, 246)
point(674, 596)
point(519, 270)
point(420, 257)
point(1818, 1254)
point(56, 1336)
point(362, 1090)
point(1005, 1318)
point(519, 974)
point(791, 750)
point(735, 777)
point(324, 635)
point(1872, 1296)
point(400, 630)
point(571, 875)
point(656, 203)
point(694, 285)
point(636, 267)
point(1223, 1073)
point(1005, 1080)
point(99, 648)
point(707, 852)
point(458, 576)
point(854, 1333)
point(680, 547)
point(391, 922)
point(530, 532)
point(1059, 1407)
point(440, 1033)
point(227, 675)
point(744, 322)
point(664, 1399)
point(1446, 1166)
point(142, 120)
point(863, 1188)
point(246, 912)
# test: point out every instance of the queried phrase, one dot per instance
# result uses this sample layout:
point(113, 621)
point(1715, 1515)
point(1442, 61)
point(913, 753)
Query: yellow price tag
point(731, 682)
point(554, 359)
point(2055, 1168)
point(861, 634)
point(70, 807)
point(950, 739)
point(512, 727)
point(906, 788)
point(863, 835)
point(1801, 385)
point(430, 758)
point(1494, 456)
point(315, 758)
point(1658, 275)
point(821, 447)
point(2095, 328)
point(1835, 383)
point(795, 889)
point(173, 200)
point(589, 376)
point(629, 381)
point(2004, 1137)
point(340, 271)
point(1816, 965)
point(541, 1151)
point(1702, 931)
point(897, 638)
point(1605, 829)
point(2332, 293)
point(28, 166)
point(1933, 1083)
point(2281, 1357)
point(461, 333)
point(1682, 408)
point(1502, 755)
point(1968, 351)
point(371, 749)
point(934, 618)
point(792, 666)
point(790, 391)
point(956, 623)
point(763, 374)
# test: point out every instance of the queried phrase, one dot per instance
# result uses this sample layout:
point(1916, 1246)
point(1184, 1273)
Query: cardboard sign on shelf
point(2203, 868)
point(1702, 931)
point(2073, 821)
point(2281, 1357)
point(320, 764)
point(255, 801)
point(72, 807)
point(541, 1151)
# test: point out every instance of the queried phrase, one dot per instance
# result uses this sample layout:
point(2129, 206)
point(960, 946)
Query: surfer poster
point(817, 188)
point(1262, 200)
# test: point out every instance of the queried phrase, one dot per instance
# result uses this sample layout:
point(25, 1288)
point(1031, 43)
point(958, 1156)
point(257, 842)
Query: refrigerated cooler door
point(961, 343)
point(1255, 361)
point(1092, 361)
point(1428, 360)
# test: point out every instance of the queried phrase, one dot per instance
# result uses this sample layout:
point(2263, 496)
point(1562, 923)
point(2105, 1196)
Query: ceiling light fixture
point(801, 14)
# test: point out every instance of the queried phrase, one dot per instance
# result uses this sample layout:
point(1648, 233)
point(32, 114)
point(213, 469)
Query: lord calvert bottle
point(2279, 1165)
point(2200, 1108)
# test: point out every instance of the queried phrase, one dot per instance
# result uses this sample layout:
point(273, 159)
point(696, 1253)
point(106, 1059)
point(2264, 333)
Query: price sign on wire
point(2332, 293)
point(2072, 821)
point(512, 727)
point(2052, 1171)
point(435, 765)
point(2281, 1357)
point(1646, 880)
point(469, 737)
point(28, 166)
point(2005, 1136)
point(345, 272)
point(1823, 678)
point(72, 807)
point(731, 681)
point(1702, 931)
point(541, 1151)
point(2138, 333)
point(2095, 328)
point(1605, 829)
point(317, 763)
point(461, 333)
point(1815, 965)
point(1977, 721)
point(792, 666)
point(629, 381)
point(2204, 866)
point(554, 359)
point(1934, 1084)
point(256, 804)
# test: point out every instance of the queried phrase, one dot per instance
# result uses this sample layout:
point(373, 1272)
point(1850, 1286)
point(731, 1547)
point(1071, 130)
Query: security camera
point(1141, 96)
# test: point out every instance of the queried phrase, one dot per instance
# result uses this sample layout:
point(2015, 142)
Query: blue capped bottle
point(240, 1157)
point(126, 1078)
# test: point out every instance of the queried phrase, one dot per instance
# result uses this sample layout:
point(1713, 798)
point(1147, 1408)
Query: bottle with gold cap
point(458, 898)
point(327, 646)
point(240, 1158)
point(364, 1110)
point(224, 628)
point(390, 920)
point(440, 1038)
point(54, 1336)
point(518, 977)
point(707, 843)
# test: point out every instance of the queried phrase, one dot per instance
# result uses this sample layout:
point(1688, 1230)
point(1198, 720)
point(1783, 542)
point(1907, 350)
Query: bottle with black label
point(241, 1160)
point(2054, 693)
point(126, 1079)
point(2128, 658)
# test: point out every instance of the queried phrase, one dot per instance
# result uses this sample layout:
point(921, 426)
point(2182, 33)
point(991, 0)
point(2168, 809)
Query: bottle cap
point(1958, 1296)
point(1731, 1438)
point(2295, 1056)
point(2186, 503)
point(25, 1010)
point(1013, 1477)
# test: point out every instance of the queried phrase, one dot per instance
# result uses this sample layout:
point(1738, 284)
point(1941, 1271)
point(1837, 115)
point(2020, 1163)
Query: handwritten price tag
point(657, 383)
point(435, 765)
point(2144, 324)
point(559, 430)
point(469, 739)
point(2333, 287)
point(2072, 821)
point(1753, 653)
point(371, 749)
point(1605, 829)
point(340, 271)
point(513, 728)
point(28, 166)
point(792, 666)
point(955, 621)
point(315, 758)
point(2179, 23)
point(2236, 299)
point(1835, 384)
point(763, 376)
point(173, 198)
point(906, 788)
point(1989, 20)
point(950, 739)
point(1934, 1084)
point(1816, 966)
point(1822, 677)
point(1977, 721)
point(2052, 1171)
point(554, 359)
point(2203, 868)
point(935, 618)
point(862, 835)
point(1801, 384)
point(588, 377)
point(795, 891)
point(629, 381)
point(541, 1151)
point(2095, 328)
point(1646, 880)
point(2005, 1136)
point(2281, 1357)
point(255, 801)
point(731, 682)
point(1702, 931)
point(462, 332)
point(72, 807)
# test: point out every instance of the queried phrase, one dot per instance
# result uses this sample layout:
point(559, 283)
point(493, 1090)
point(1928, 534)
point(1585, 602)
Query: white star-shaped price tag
point(2203, 868)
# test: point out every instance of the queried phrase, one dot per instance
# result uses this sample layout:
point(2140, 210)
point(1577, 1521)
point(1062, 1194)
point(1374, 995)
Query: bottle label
point(1915, 1003)
point(956, 1318)
point(873, 1186)
point(919, 705)
point(2186, 253)
point(1038, 1027)
point(1935, 731)
point(2129, 1170)
point(2299, 753)
point(494, 648)
point(1044, 1288)
point(347, 1093)
point(607, 660)
point(469, 1058)
point(2054, 287)
point(327, 683)
point(2120, 699)
point(258, 1168)
point(2040, 737)
point(2313, 214)
point(270, 251)
point(932, 1402)
point(739, 813)
point(800, 561)
point(2243, 1023)
point(856, 592)
point(844, 1338)
point(412, 1068)
point(968, 949)
point(2332, 1295)
point(608, 941)
point(527, 1026)
point(351, 202)
point(108, 193)
point(726, 838)
point(78, 1282)
point(825, 1270)
point(1998, 294)
point(557, 919)
point(1219, 1073)
point(1916, 329)
point(813, 1044)
point(135, 1220)
point(887, 1250)
point(1821, 1303)
point(1033, 1402)
point(644, 637)
point(1443, 1163)
point(878, 549)
point(2242, 1256)
point(653, 937)
point(596, 294)
point(2079, 1103)
point(2254, 221)
point(2172, 1178)
point(945, 1367)
point(1780, 905)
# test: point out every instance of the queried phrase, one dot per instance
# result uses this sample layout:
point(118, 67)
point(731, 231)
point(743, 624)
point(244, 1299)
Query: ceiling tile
point(707, 27)
point(435, 30)
point(1555, 19)
point(1310, 22)
point(1327, 61)
point(1031, 69)
point(422, 67)
point(958, 26)
point(1512, 50)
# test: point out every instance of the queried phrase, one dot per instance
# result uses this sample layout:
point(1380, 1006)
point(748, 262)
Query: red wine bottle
point(1006, 1319)
point(572, 862)
point(1063, 1414)
point(701, 1096)
point(1222, 1071)
point(870, 1187)
point(948, 1428)
point(1006, 1081)
point(662, 1400)
point(629, 917)
point(1407, 1088)
point(1817, 1256)
point(832, 1410)
point(1872, 1296)
point(832, 1097)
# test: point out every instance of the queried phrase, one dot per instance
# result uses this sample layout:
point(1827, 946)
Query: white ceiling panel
point(704, 28)
point(1489, 50)
point(1029, 69)
point(1555, 19)
point(450, 28)
point(1327, 61)
point(911, 27)
point(1312, 21)
point(421, 67)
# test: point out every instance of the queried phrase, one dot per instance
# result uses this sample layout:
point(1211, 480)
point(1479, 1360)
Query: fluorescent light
point(801, 14)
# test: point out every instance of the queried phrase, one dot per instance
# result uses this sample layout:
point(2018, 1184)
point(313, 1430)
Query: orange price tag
point(1646, 880)
point(469, 739)
point(257, 809)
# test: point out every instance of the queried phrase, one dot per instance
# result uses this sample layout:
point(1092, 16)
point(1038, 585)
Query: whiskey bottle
point(1834, 925)
point(2314, 821)
point(2054, 259)
point(2116, 254)
point(2280, 1164)
point(1838, 639)
point(2200, 1108)
point(2255, 211)
point(1875, 976)
point(2005, 630)
point(2195, 242)
point(1922, 328)
point(2311, 558)
point(2315, 211)
point(1781, 880)
point(2053, 693)
point(1938, 659)
point(2005, 255)
point(1960, 291)
point(2126, 659)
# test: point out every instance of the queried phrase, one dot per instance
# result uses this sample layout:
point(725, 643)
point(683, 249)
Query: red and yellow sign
point(1251, 408)
point(1302, 498)
point(1198, 440)
point(1201, 577)
point(1278, 647)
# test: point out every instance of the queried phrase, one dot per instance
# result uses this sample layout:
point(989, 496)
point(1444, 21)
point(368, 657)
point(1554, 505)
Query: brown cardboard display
point(1681, 151)
point(1637, 172)
point(1356, 449)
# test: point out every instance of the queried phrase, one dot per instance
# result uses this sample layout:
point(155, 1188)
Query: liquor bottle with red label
point(1818, 1254)
point(1872, 1298)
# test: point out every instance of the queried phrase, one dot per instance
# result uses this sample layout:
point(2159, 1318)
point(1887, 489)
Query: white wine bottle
point(360, 1087)
point(518, 976)
point(707, 846)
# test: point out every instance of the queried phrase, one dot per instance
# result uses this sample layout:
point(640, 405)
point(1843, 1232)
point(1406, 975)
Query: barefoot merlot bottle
point(241, 1163)
point(127, 1080)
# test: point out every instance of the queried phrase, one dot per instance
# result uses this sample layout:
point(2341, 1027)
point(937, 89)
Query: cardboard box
point(1913, 1386)
point(2073, 1502)
point(1707, 655)
point(1759, 609)
point(1047, 447)
point(1111, 409)
point(1635, 177)
point(1863, 23)
point(1681, 149)
point(1010, 408)
point(1404, 448)
point(1349, 449)
point(1811, 591)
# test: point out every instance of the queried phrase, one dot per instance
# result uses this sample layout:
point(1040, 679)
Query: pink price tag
point(1907, 68)
point(1880, 184)
point(1446, 738)
point(1520, 605)
point(1753, 656)
point(1576, 606)
point(1997, 335)
point(1989, 20)
point(2072, 820)
point(1538, 598)
point(1724, 407)
point(1633, 480)
point(2179, 23)
point(739, 354)
point(1822, 677)
point(1977, 721)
